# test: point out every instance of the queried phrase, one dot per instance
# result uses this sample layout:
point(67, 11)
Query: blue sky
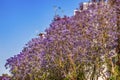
point(22, 20)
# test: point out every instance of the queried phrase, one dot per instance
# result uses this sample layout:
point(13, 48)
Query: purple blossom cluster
point(28, 62)
point(5, 77)
point(71, 46)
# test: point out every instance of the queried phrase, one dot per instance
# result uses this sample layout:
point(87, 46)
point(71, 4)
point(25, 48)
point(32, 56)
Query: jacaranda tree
point(79, 47)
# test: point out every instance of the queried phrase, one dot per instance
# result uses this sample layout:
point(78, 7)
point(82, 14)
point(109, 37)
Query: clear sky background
point(22, 20)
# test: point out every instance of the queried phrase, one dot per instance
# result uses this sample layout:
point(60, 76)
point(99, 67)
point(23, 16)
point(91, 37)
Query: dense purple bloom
point(87, 38)
point(5, 77)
